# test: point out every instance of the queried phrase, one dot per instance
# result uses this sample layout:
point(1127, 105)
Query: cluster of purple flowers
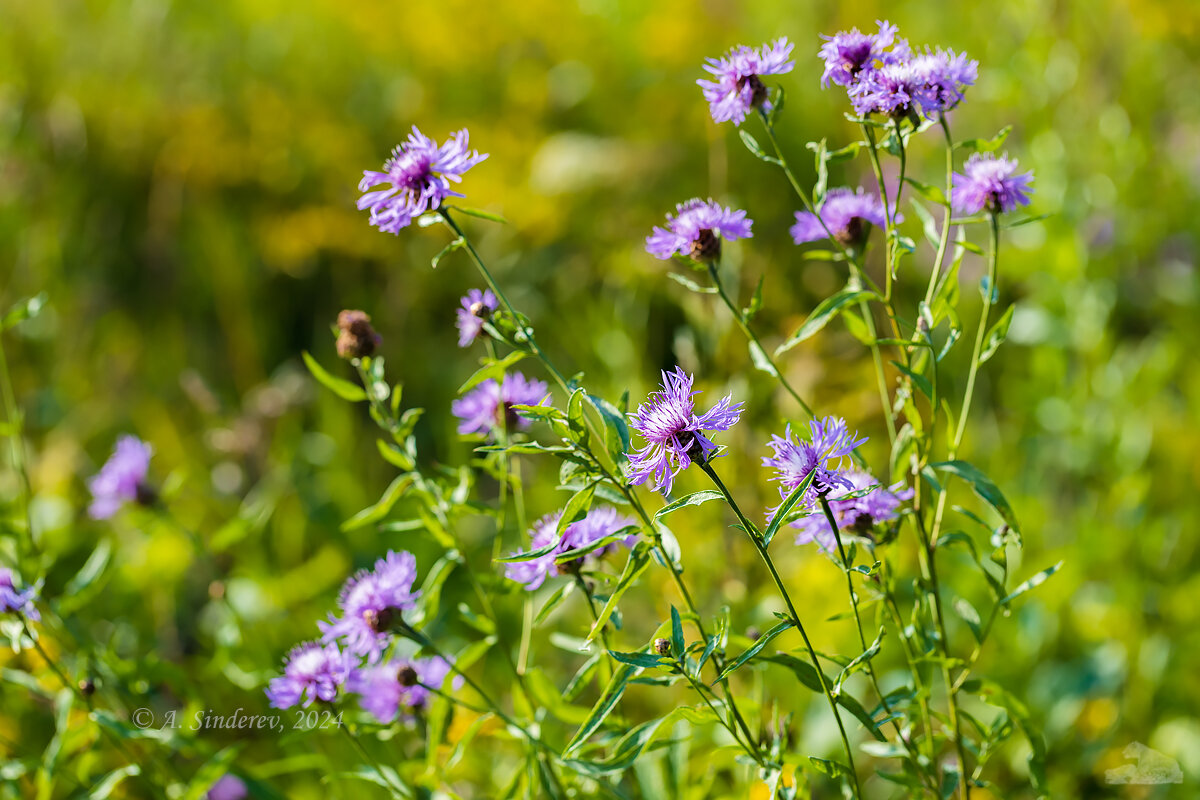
point(600, 523)
point(14, 600)
point(399, 687)
point(883, 75)
point(865, 504)
point(122, 479)
point(987, 182)
point(488, 408)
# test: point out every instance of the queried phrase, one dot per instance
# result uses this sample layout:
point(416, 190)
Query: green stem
point(398, 789)
point(16, 427)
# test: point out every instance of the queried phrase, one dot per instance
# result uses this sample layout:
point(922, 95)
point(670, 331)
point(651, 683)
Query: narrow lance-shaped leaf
point(785, 508)
point(342, 388)
point(821, 316)
point(608, 699)
point(860, 662)
point(983, 487)
point(639, 560)
point(997, 335)
point(1036, 580)
point(755, 648)
point(693, 499)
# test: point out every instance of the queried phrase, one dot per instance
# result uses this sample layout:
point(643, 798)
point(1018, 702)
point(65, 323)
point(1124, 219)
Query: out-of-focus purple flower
point(829, 442)
point(600, 522)
point(945, 75)
point(988, 182)
point(17, 601)
point(122, 479)
point(894, 89)
point(372, 602)
point(229, 787)
point(416, 179)
point(738, 86)
point(387, 690)
point(848, 214)
point(848, 53)
point(311, 672)
point(476, 307)
point(852, 513)
point(489, 406)
point(697, 229)
point(674, 433)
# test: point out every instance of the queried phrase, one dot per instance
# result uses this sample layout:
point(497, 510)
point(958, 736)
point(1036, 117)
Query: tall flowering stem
point(16, 434)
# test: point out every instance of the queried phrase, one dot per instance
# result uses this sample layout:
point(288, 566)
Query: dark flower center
point(854, 233)
point(406, 676)
point(478, 309)
point(707, 246)
point(758, 90)
point(507, 417)
point(145, 494)
point(381, 621)
point(691, 445)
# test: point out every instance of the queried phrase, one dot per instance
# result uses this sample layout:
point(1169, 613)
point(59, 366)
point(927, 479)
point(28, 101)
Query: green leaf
point(381, 509)
point(454, 244)
point(753, 146)
point(624, 753)
point(614, 422)
point(983, 487)
point(985, 145)
point(807, 675)
point(491, 370)
point(760, 359)
point(860, 661)
point(608, 699)
point(970, 616)
point(930, 192)
point(576, 508)
point(755, 648)
point(529, 555)
point(997, 335)
point(828, 308)
point(104, 787)
point(678, 645)
point(756, 303)
point(481, 214)
point(23, 310)
point(920, 381)
point(643, 660)
point(693, 499)
point(691, 284)
point(785, 508)
point(1036, 580)
point(91, 570)
point(639, 560)
point(342, 388)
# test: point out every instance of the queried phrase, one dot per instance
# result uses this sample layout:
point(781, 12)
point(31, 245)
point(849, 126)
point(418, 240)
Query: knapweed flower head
point(738, 85)
point(399, 687)
point(696, 230)
point(821, 456)
point(477, 306)
point(489, 406)
point(894, 89)
point(416, 179)
point(229, 787)
point(674, 433)
point(848, 53)
point(848, 214)
point(122, 479)
point(988, 182)
point(15, 601)
point(599, 523)
point(372, 602)
point(946, 76)
point(853, 514)
point(312, 671)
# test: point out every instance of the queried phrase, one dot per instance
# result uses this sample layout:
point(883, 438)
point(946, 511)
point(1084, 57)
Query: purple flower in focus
point(946, 75)
point(848, 215)
point(16, 601)
point(489, 406)
point(988, 182)
point(372, 601)
point(311, 672)
point(738, 87)
point(697, 229)
point(599, 523)
point(673, 432)
point(476, 307)
point(229, 787)
point(848, 53)
point(122, 479)
point(416, 179)
point(795, 459)
point(853, 513)
point(386, 689)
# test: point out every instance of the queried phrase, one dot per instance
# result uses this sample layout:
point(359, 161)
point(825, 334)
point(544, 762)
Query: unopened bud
point(356, 338)
point(662, 646)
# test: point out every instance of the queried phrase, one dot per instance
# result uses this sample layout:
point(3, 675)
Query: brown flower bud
point(86, 687)
point(662, 646)
point(406, 676)
point(356, 338)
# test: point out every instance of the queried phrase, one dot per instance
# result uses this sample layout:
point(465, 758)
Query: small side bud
point(753, 633)
point(662, 646)
point(356, 338)
point(86, 687)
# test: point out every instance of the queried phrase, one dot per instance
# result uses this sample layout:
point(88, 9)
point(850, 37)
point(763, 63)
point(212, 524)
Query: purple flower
point(696, 230)
point(989, 183)
point(229, 787)
point(738, 87)
point(852, 513)
point(15, 601)
point(311, 672)
point(821, 456)
point(385, 689)
point(848, 53)
point(417, 179)
point(673, 432)
point(489, 406)
point(893, 89)
point(372, 602)
point(848, 214)
point(946, 75)
point(476, 307)
point(599, 523)
point(122, 479)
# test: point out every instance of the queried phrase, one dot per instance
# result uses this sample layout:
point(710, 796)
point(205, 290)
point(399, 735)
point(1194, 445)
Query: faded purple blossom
point(988, 182)
point(122, 479)
point(848, 53)
point(476, 307)
point(697, 229)
point(398, 687)
point(311, 672)
point(17, 601)
point(599, 523)
point(674, 433)
point(372, 602)
point(852, 513)
point(416, 179)
point(229, 787)
point(489, 406)
point(821, 456)
point(946, 75)
point(738, 87)
point(848, 214)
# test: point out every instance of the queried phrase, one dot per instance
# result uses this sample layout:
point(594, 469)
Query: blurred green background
point(180, 179)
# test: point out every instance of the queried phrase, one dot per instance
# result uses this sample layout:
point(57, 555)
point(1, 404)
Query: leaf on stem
point(339, 386)
point(825, 311)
